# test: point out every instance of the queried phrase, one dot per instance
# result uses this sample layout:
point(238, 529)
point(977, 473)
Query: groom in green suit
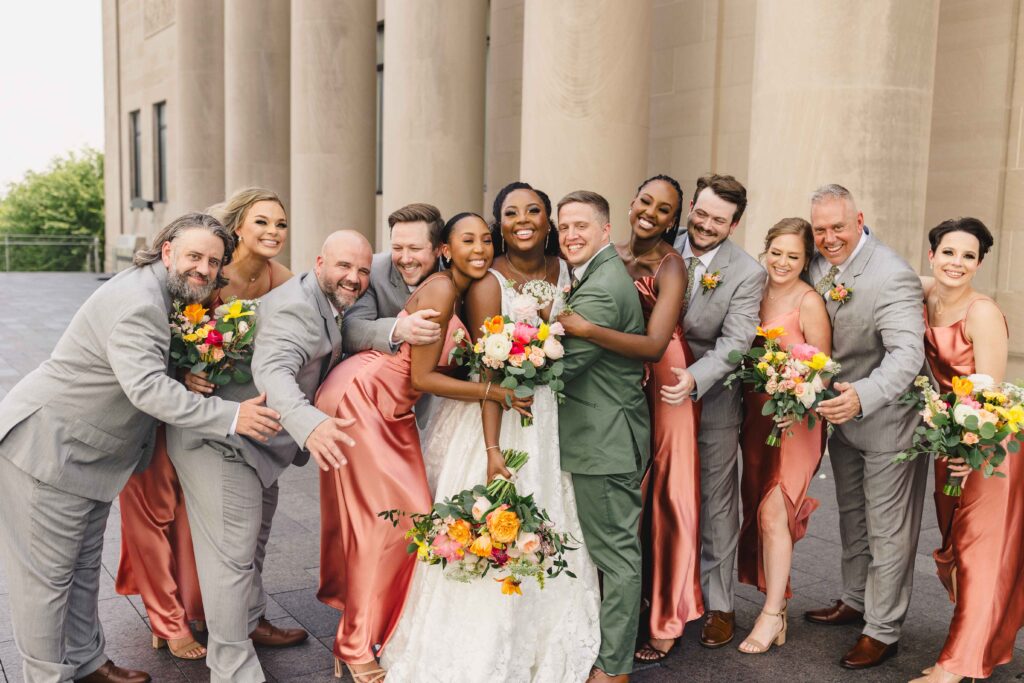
point(604, 425)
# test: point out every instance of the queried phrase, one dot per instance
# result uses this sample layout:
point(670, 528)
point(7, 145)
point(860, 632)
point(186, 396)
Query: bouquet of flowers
point(489, 529)
point(794, 380)
point(979, 421)
point(214, 344)
point(520, 352)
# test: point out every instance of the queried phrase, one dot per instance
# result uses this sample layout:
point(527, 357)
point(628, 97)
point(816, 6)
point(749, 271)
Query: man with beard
point(298, 341)
point(373, 322)
point(722, 301)
point(73, 431)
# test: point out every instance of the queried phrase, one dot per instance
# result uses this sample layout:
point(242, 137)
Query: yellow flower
point(194, 313)
point(422, 550)
point(770, 334)
point(510, 586)
point(995, 397)
point(962, 386)
point(481, 546)
point(235, 310)
point(762, 366)
point(543, 332)
point(504, 526)
point(460, 531)
point(191, 337)
point(817, 361)
point(478, 347)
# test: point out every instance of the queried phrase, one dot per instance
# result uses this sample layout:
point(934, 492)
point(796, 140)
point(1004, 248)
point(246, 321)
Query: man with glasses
point(722, 303)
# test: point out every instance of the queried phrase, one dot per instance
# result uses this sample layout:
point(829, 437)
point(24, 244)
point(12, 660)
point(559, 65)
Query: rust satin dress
point(982, 537)
point(671, 523)
point(365, 570)
point(790, 466)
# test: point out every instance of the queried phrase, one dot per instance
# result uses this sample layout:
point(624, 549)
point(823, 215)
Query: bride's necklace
point(527, 278)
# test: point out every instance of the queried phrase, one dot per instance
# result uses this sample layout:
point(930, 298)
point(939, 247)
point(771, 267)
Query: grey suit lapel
point(312, 287)
point(720, 263)
point(159, 271)
point(848, 278)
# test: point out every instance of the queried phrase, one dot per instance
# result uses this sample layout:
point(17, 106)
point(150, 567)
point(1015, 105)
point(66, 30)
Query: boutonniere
point(710, 281)
point(840, 293)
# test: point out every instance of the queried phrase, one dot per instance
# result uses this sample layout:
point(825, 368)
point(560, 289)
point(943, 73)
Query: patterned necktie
point(825, 283)
point(574, 282)
point(691, 269)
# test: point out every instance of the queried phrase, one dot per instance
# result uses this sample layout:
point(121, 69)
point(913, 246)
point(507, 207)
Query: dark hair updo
point(550, 244)
point(972, 226)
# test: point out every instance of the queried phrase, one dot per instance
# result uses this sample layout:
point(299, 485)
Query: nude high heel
point(780, 637)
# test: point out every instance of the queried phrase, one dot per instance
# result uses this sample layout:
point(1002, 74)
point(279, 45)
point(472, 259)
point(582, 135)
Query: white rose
point(981, 382)
point(480, 507)
point(228, 336)
point(243, 327)
point(817, 384)
point(528, 542)
point(510, 328)
point(962, 412)
point(804, 394)
point(553, 348)
point(524, 307)
point(497, 346)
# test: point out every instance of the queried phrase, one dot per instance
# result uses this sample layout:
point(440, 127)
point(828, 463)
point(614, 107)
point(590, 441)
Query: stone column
point(586, 99)
point(504, 96)
point(434, 83)
point(257, 97)
point(199, 104)
point(333, 129)
point(843, 94)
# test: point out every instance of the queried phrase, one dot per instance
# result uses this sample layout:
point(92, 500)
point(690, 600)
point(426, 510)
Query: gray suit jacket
point(83, 421)
point(369, 321)
point(878, 338)
point(720, 321)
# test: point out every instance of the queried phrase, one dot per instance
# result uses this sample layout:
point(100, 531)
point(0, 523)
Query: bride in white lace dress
point(464, 632)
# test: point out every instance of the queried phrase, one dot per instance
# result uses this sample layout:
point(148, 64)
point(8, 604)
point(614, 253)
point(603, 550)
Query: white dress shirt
point(579, 270)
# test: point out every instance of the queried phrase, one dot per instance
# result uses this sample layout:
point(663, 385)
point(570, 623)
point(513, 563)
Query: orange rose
point(504, 526)
point(495, 325)
point(460, 531)
point(481, 546)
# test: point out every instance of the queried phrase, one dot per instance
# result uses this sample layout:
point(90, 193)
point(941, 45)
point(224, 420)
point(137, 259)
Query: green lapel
point(605, 254)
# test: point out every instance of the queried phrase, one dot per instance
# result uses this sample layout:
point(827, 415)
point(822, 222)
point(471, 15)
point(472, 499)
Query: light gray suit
point(878, 338)
point(717, 322)
point(368, 323)
point(71, 433)
point(231, 484)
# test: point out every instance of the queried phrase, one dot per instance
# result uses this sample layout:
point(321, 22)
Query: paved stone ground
point(35, 311)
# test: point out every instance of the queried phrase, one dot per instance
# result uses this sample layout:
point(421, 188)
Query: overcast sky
point(51, 82)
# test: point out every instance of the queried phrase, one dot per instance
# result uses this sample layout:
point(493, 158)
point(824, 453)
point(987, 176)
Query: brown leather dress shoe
point(718, 629)
point(837, 615)
point(112, 673)
point(868, 652)
point(267, 635)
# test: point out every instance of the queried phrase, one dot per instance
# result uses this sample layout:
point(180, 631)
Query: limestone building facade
point(351, 108)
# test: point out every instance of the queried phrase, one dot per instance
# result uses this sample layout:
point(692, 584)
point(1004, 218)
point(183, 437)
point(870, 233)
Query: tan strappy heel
point(372, 676)
point(191, 650)
point(780, 637)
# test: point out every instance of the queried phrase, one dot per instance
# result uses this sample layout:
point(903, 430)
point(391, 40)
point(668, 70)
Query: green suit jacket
point(604, 424)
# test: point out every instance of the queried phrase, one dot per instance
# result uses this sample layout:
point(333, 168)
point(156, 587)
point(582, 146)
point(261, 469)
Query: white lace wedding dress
point(452, 632)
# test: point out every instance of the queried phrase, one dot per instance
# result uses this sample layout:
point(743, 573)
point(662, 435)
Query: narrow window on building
point(160, 158)
point(135, 154)
point(380, 107)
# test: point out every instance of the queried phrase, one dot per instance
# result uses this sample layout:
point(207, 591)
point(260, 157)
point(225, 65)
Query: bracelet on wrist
point(492, 448)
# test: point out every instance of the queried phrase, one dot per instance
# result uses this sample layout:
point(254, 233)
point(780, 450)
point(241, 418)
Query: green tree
point(66, 199)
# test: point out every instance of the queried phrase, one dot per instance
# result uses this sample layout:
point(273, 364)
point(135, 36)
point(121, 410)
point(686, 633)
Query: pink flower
point(970, 438)
point(803, 351)
point(528, 542)
point(523, 333)
point(202, 348)
point(445, 547)
point(499, 556)
point(537, 356)
point(556, 329)
point(516, 359)
point(969, 402)
point(218, 354)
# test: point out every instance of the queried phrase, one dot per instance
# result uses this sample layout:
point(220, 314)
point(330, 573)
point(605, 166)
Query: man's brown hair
point(413, 213)
point(592, 199)
point(726, 187)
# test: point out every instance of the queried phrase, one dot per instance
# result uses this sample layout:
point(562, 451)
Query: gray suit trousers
point(880, 503)
point(51, 543)
point(230, 513)
point(719, 515)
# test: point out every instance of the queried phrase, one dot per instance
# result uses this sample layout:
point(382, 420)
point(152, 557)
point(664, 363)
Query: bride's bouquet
point(520, 351)
point(214, 343)
point(794, 380)
point(489, 529)
point(979, 421)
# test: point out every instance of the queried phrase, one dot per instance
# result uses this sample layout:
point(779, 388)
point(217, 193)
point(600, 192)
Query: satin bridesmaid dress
point(365, 570)
point(981, 561)
point(671, 523)
point(790, 467)
point(157, 560)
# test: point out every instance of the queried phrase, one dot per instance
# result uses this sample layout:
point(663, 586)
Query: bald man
point(231, 485)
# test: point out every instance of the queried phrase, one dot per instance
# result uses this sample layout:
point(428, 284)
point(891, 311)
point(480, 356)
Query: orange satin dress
point(790, 466)
point(157, 560)
point(982, 537)
point(365, 570)
point(671, 523)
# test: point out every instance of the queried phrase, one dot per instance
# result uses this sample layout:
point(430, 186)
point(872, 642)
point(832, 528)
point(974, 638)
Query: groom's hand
point(843, 407)
point(323, 442)
point(257, 421)
point(676, 394)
